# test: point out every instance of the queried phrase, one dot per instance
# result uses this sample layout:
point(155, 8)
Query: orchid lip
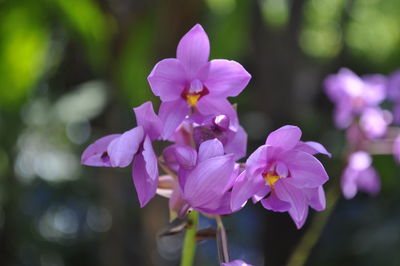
point(193, 95)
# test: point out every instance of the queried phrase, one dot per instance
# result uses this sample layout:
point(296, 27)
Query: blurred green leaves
point(24, 45)
point(27, 35)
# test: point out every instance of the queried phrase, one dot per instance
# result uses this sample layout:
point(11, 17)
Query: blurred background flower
point(71, 71)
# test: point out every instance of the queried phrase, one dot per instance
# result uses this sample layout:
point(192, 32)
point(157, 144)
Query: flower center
point(193, 94)
point(270, 179)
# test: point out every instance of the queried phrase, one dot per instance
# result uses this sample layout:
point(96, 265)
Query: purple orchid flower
point(236, 263)
point(132, 147)
point(284, 175)
point(396, 148)
point(191, 81)
point(359, 175)
point(352, 94)
point(374, 122)
point(205, 177)
point(393, 90)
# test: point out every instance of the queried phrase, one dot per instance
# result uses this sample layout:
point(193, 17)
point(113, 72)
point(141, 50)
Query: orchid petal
point(286, 137)
point(186, 156)
point(236, 263)
point(172, 114)
point(305, 169)
point(238, 144)
point(312, 148)
point(96, 153)
point(218, 206)
point(193, 50)
point(145, 173)
point(150, 122)
point(316, 198)
point(168, 79)
point(209, 106)
point(296, 198)
point(257, 160)
point(244, 188)
point(210, 148)
point(207, 181)
point(224, 78)
point(122, 149)
point(166, 185)
point(273, 203)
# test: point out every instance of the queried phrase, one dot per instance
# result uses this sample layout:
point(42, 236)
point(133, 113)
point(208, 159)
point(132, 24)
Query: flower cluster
point(358, 109)
point(199, 165)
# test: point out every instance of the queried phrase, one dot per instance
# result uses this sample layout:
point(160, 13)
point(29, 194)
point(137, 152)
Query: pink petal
point(316, 198)
point(236, 263)
point(210, 106)
point(305, 169)
point(296, 198)
point(218, 206)
point(186, 156)
point(96, 153)
point(312, 148)
point(224, 78)
point(122, 149)
point(238, 144)
point(286, 137)
point(257, 160)
point(208, 180)
point(168, 79)
point(193, 50)
point(172, 114)
point(145, 173)
point(244, 188)
point(209, 149)
point(261, 194)
point(150, 122)
point(273, 203)
point(177, 203)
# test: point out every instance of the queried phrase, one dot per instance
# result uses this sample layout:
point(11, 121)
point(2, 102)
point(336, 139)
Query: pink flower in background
point(190, 81)
point(374, 122)
point(132, 147)
point(396, 148)
point(393, 91)
point(352, 94)
point(236, 263)
point(359, 175)
point(284, 175)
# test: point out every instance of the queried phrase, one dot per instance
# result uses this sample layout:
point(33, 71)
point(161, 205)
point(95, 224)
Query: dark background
point(71, 71)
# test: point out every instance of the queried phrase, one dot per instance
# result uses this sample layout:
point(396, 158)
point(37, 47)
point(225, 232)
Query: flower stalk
point(222, 241)
point(189, 243)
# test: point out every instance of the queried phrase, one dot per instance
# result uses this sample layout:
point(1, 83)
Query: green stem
point(189, 243)
point(310, 238)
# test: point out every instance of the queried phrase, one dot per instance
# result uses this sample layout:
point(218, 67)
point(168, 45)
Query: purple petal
point(297, 200)
point(170, 157)
point(193, 50)
point(208, 180)
point(177, 203)
point(145, 173)
point(236, 263)
point(96, 153)
point(218, 206)
point(369, 182)
point(168, 79)
point(186, 156)
point(209, 149)
point(245, 187)
point(172, 114)
point(316, 198)
point(273, 203)
point(261, 194)
point(305, 169)
point(257, 160)
point(224, 78)
point(348, 182)
point(238, 144)
point(209, 106)
point(286, 137)
point(122, 149)
point(150, 122)
point(312, 148)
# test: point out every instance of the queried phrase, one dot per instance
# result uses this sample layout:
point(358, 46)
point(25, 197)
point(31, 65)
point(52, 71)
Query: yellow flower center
point(192, 99)
point(270, 179)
